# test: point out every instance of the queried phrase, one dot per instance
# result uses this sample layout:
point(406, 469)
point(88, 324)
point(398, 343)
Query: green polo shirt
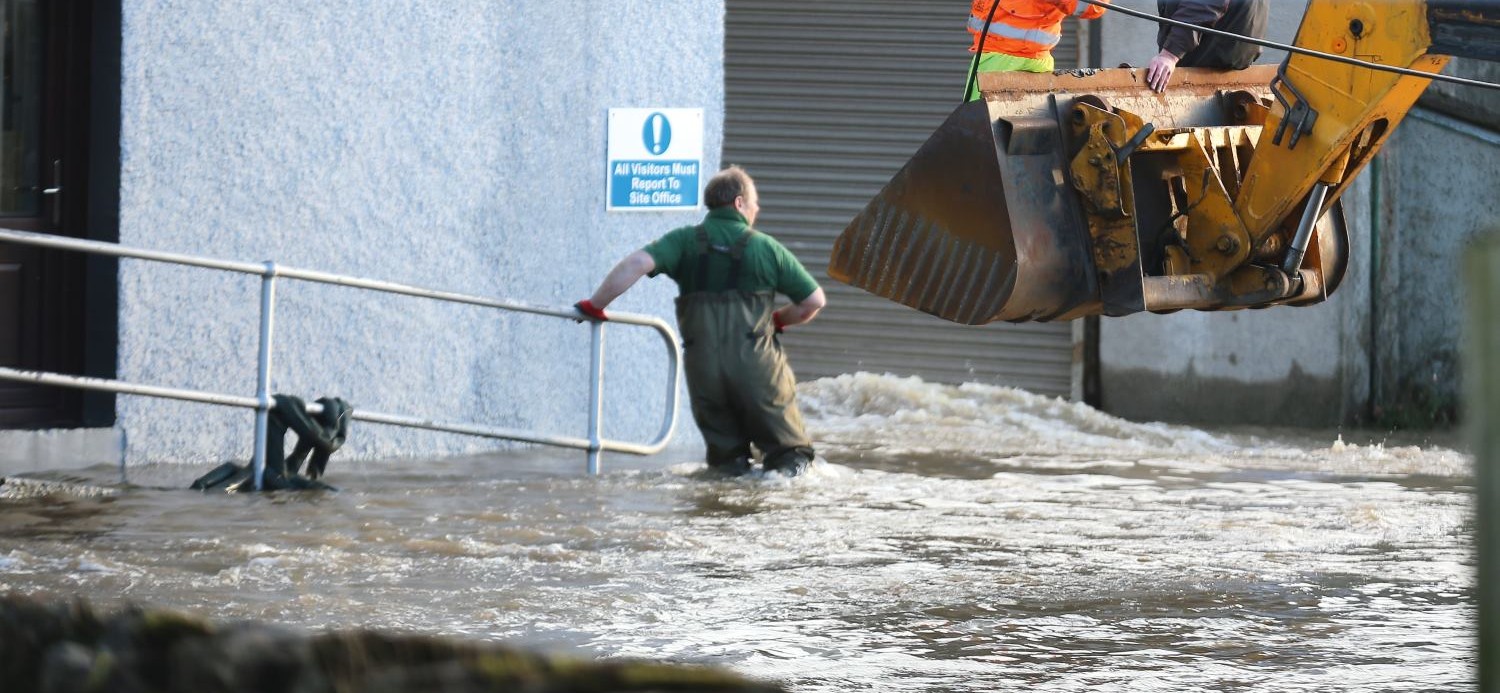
point(767, 264)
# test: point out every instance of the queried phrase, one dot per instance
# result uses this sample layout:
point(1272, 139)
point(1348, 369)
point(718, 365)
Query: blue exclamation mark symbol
point(657, 135)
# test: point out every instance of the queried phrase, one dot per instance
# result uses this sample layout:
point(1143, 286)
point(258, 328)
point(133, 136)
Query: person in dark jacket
point(1182, 47)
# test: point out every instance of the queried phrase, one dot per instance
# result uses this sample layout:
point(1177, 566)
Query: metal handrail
point(263, 403)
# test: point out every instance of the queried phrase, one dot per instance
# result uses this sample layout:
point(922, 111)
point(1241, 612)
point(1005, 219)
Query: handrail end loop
point(264, 402)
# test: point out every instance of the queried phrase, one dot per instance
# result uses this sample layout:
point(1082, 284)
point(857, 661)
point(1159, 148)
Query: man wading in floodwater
point(728, 275)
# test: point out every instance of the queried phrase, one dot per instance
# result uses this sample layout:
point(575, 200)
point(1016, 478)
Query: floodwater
point(951, 539)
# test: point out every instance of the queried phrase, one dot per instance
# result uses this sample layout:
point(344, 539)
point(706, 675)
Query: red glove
point(587, 308)
point(776, 320)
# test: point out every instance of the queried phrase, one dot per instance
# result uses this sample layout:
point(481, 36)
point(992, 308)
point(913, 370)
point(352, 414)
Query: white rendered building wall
point(458, 146)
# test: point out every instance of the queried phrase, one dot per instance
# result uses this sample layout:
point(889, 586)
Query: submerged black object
point(738, 466)
point(319, 436)
point(789, 461)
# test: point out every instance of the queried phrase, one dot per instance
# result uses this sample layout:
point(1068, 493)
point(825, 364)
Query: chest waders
point(740, 385)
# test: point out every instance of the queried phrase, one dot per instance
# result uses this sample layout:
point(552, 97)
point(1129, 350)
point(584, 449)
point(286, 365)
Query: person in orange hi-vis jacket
point(1020, 34)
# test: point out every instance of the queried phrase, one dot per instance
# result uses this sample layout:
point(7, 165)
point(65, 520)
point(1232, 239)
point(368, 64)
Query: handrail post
point(596, 391)
point(263, 371)
point(264, 403)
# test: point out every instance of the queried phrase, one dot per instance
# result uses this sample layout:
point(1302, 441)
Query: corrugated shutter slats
point(824, 102)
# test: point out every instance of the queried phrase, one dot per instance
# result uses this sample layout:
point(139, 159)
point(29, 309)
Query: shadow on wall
point(1147, 395)
point(1420, 402)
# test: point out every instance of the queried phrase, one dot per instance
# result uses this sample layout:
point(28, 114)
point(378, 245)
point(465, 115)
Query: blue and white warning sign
point(655, 158)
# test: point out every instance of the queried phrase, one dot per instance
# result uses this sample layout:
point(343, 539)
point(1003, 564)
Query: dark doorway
point(45, 55)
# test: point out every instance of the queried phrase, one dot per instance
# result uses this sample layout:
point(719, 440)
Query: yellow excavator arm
point(1079, 193)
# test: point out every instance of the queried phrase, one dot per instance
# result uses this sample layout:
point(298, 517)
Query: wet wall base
point(1191, 398)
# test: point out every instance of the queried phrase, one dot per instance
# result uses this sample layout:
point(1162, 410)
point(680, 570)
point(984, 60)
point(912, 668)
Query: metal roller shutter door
point(824, 102)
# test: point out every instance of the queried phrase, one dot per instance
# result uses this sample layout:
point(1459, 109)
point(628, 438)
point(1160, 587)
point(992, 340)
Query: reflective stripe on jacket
point(1024, 28)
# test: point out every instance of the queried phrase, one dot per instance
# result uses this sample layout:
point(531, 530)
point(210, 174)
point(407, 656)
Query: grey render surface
point(1445, 174)
point(457, 146)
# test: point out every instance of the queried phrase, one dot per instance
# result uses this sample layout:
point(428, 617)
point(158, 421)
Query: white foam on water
point(897, 416)
point(956, 538)
point(907, 413)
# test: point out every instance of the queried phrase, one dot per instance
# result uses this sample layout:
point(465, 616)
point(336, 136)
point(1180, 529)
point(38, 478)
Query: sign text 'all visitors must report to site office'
point(655, 158)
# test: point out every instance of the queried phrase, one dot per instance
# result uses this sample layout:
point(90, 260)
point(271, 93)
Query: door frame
point(77, 328)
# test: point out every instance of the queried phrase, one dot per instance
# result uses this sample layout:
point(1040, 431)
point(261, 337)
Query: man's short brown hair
point(726, 185)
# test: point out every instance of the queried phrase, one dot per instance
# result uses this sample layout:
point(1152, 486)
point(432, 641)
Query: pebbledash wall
point(456, 145)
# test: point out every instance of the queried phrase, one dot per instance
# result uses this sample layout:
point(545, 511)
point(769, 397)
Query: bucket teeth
point(916, 262)
point(936, 238)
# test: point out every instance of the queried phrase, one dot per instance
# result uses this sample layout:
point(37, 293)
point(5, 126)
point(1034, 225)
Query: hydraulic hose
point(1293, 49)
point(979, 52)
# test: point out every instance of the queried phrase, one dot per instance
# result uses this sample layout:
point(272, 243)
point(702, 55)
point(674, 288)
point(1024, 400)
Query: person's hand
point(1160, 70)
point(587, 308)
point(777, 323)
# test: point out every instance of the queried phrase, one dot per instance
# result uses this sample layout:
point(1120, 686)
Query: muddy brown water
point(950, 539)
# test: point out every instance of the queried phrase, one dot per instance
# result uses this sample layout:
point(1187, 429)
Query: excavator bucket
point(1068, 194)
point(974, 228)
